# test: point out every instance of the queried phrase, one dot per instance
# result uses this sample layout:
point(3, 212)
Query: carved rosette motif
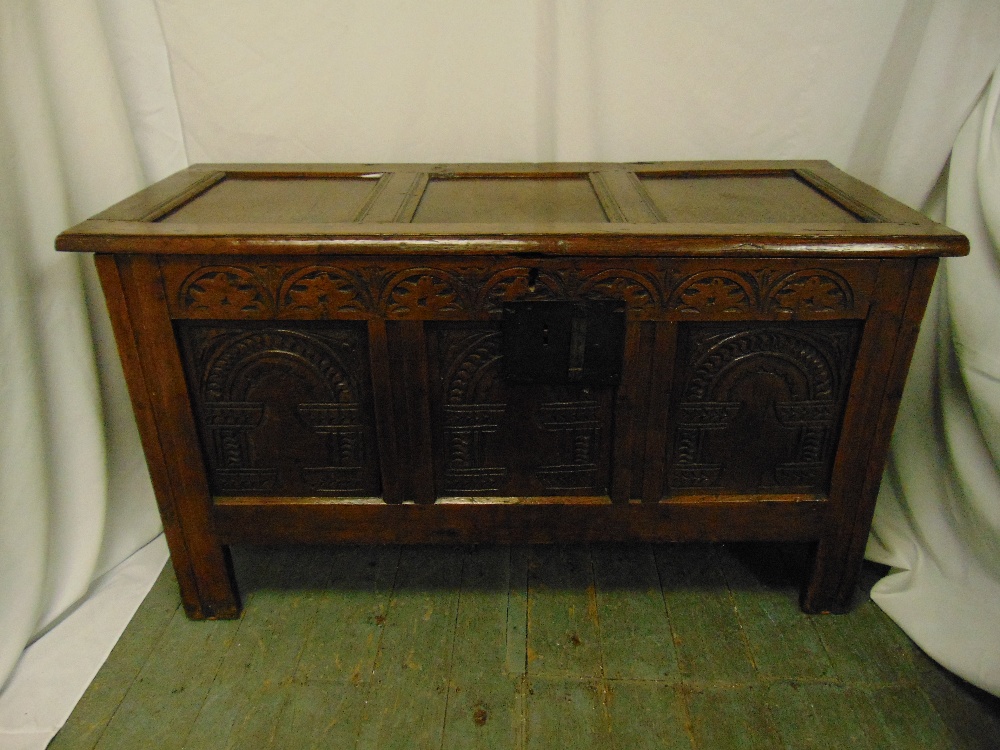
point(791, 377)
point(330, 291)
point(638, 291)
point(713, 292)
point(423, 293)
point(517, 283)
point(226, 292)
point(812, 291)
point(230, 368)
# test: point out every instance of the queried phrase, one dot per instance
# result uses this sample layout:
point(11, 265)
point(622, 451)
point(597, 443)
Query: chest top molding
point(663, 209)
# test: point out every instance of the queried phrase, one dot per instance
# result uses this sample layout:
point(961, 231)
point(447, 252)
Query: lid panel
point(261, 200)
point(648, 209)
point(509, 200)
point(741, 199)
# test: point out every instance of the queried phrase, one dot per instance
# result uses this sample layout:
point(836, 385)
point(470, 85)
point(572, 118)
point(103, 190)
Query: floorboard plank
point(564, 713)
point(482, 626)
point(255, 725)
point(731, 718)
point(484, 711)
point(817, 716)
point(320, 715)
point(484, 700)
point(105, 694)
point(783, 641)
point(166, 698)
point(710, 642)
point(905, 720)
point(409, 689)
point(244, 703)
point(636, 638)
point(563, 639)
point(517, 611)
point(865, 646)
point(647, 715)
point(350, 614)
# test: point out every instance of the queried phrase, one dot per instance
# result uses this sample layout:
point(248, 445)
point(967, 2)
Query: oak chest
point(514, 353)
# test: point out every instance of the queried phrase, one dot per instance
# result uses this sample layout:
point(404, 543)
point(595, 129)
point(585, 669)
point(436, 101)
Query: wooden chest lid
point(679, 208)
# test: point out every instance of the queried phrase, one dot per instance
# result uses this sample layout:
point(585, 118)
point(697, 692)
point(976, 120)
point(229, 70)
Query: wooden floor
point(628, 647)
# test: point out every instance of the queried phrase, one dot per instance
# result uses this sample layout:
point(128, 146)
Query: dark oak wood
point(533, 521)
point(315, 354)
point(842, 546)
point(156, 382)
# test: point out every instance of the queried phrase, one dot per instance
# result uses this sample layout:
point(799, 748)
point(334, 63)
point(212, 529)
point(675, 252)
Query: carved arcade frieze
point(658, 289)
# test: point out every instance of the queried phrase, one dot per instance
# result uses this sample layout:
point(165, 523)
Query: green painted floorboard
point(485, 700)
point(783, 642)
point(636, 638)
point(691, 647)
point(646, 715)
point(407, 697)
point(567, 713)
point(563, 638)
point(711, 643)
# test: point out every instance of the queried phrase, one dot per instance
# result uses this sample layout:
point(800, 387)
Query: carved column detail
point(472, 410)
point(574, 426)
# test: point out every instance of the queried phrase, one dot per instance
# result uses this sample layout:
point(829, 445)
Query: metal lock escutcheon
point(563, 342)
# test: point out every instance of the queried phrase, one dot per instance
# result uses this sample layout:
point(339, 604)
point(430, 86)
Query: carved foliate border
point(652, 290)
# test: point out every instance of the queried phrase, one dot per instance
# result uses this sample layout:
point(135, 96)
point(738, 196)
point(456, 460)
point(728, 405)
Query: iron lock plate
point(563, 342)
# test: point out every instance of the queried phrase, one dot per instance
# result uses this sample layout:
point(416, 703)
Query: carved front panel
point(758, 407)
point(764, 425)
point(495, 437)
point(283, 409)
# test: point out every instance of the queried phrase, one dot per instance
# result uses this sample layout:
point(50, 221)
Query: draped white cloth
point(100, 97)
point(938, 517)
point(85, 103)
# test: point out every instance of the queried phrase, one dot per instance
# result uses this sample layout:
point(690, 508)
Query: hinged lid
point(714, 208)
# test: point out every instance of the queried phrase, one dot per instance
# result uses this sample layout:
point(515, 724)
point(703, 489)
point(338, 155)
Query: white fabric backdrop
point(84, 121)
point(938, 517)
point(102, 96)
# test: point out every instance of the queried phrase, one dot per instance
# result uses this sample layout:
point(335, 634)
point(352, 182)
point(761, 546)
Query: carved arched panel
point(283, 410)
point(758, 408)
point(471, 411)
point(495, 437)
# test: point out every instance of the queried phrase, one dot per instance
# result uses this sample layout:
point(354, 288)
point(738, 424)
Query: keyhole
point(545, 335)
point(532, 279)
